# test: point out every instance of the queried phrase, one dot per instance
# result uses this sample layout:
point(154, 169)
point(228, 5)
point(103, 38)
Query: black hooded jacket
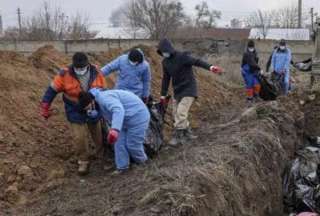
point(178, 67)
point(251, 59)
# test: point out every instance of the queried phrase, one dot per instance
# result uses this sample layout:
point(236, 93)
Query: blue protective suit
point(134, 78)
point(281, 65)
point(129, 115)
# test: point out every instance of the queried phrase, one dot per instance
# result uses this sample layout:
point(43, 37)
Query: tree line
point(156, 18)
point(51, 23)
point(160, 17)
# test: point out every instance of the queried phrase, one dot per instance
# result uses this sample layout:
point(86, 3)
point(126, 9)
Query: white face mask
point(282, 47)
point(133, 63)
point(251, 49)
point(166, 54)
point(81, 71)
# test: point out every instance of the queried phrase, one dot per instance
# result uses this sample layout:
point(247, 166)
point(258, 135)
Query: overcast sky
point(99, 10)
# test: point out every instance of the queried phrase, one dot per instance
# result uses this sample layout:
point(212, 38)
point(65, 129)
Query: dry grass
point(231, 66)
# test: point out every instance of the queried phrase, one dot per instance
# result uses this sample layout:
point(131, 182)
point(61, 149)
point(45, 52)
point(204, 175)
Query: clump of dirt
point(312, 115)
point(49, 59)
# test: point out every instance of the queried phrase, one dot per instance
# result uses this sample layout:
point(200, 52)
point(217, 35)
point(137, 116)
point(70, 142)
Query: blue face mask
point(92, 113)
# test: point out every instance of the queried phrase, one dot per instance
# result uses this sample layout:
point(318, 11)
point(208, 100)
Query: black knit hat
point(85, 99)
point(136, 56)
point(79, 60)
point(251, 43)
point(282, 42)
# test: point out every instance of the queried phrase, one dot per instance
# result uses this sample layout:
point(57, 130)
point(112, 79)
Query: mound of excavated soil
point(49, 59)
point(31, 150)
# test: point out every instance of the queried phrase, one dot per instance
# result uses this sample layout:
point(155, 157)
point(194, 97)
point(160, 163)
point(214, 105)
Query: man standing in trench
point(79, 77)
point(177, 66)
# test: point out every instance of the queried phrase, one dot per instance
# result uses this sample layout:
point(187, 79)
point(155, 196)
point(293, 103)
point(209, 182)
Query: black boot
point(189, 135)
point(176, 138)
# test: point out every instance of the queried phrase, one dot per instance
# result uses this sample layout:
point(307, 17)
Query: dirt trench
point(233, 168)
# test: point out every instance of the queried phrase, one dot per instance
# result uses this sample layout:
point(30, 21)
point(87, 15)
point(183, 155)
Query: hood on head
point(136, 55)
point(165, 46)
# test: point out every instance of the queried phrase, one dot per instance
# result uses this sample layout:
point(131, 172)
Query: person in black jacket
point(250, 70)
point(177, 66)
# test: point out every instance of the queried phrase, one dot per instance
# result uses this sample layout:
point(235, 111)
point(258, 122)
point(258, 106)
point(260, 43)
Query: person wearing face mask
point(79, 77)
point(134, 73)
point(178, 67)
point(280, 62)
point(129, 119)
point(250, 70)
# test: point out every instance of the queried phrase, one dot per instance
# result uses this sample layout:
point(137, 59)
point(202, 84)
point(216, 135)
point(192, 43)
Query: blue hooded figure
point(133, 73)
point(280, 62)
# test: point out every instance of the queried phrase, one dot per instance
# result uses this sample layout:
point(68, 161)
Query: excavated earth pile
point(233, 168)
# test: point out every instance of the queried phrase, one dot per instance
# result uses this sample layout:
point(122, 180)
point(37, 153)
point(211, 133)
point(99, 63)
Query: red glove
point(112, 136)
point(164, 101)
point(216, 69)
point(145, 100)
point(45, 110)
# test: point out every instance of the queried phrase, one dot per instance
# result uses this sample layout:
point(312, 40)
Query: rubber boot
point(83, 168)
point(189, 135)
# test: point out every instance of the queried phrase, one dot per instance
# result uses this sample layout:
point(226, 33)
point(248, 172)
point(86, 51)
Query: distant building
point(280, 33)
point(105, 31)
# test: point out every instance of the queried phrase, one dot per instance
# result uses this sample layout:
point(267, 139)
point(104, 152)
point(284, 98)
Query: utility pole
point(300, 14)
point(1, 26)
point(19, 22)
point(312, 15)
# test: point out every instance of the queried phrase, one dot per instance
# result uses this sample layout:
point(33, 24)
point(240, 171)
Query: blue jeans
point(130, 145)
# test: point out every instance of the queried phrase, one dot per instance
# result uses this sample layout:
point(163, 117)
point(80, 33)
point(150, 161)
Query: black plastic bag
point(270, 89)
point(301, 182)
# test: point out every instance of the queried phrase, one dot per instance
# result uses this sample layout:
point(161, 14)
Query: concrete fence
point(72, 46)
point(300, 49)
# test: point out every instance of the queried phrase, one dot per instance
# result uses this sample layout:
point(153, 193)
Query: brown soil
point(233, 168)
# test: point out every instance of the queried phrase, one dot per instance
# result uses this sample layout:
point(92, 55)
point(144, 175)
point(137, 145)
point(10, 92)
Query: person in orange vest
point(79, 77)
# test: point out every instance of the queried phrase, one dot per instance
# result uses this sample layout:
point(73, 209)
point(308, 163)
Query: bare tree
point(79, 28)
point(53, 24)
point(235, 23)
point(118, 17)
point(156, 17)
point(205, 17)
point(287, 17)
point(261, 20)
